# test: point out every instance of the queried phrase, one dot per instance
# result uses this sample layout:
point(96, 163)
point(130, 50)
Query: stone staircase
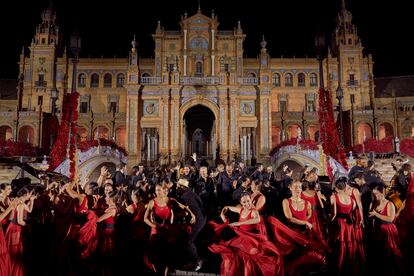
point(385, 168)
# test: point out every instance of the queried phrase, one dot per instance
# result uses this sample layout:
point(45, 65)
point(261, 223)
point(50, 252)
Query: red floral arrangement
point(328, 131)
point(67, 127)
point(9, 148)
point(379, 146)
point(407, 147)
point(304, 145)
point(86, 145)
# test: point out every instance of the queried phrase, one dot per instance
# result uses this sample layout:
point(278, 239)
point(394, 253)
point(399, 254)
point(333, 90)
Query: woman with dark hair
point(159, 216)
point(315, 199)
point(258, 199)
point(106, 227)
point(382, 212)
point(5, 265)
point(15, 233)
point(303, 252)
point(343, 235)
point(249, 253)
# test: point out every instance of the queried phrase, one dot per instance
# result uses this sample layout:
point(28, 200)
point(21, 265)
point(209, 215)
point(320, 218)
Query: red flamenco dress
point(314, 219)
point(261, 227)
point(303, 252)
point(14, 241)
point(107, 236)
point(344, 238)
point(80, 212)
point(249, 253)
point(161, 242)
point(359, 242)
point(5, 264)
point(387, 239)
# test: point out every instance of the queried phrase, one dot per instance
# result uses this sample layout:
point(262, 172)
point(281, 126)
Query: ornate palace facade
point(198, 94)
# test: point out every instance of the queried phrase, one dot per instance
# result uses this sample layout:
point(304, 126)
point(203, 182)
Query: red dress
point(359, 250)
point(387, 234)
point(248, 253)
point(261, 227)
point(345, 236)
point(314, 219)
point(80, 210)
point(5, 264)
point(107, 236)
point(14, 241)
point(302, 252)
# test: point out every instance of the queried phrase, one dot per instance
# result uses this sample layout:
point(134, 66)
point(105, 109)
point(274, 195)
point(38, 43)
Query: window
point(40, 100)
point(283, 106)
point(301, 79)
point(199, 69)
point(310, 106)
point(95, 80)
point(108, 80)
point(352, 99)
point(351, 77)
point(288, 80)
point(313, 79)
point(41, 81)
point(84, 107)
point(82, 80)
point(350, 41)
point(276, 79)
point(120, 79)
point(171, 67)
point(43, 41)
point(226, 68)
point(113, 107)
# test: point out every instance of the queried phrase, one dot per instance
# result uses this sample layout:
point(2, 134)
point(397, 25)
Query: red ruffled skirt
point(302, 253)
point(345, 237)
point(5, 264)
point(14, 241)
point(388, 234)
point(247, 254)
point(359, 242)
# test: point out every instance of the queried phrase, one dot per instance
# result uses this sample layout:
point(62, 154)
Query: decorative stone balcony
point(201, 80)
point(248, 81)
point(151, 80)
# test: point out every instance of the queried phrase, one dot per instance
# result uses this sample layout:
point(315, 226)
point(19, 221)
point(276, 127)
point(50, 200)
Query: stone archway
point(385, 130)
point(214, 111)
point(364, 132)
point(6, 133)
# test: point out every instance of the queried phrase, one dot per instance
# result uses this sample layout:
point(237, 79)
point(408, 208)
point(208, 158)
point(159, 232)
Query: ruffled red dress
point(359, 242)
point(386, 233)
point(249, 253)
point(80, 210)
point(344, 237)
point(302, 251)
point(5, 264)
point(314, 219)
point(107, 236)
point(14, 241)
point(261, 227)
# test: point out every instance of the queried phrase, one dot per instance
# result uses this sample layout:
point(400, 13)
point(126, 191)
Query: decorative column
point(249, 147)
point(185, 53)
point(148, 147)
point(241, 148)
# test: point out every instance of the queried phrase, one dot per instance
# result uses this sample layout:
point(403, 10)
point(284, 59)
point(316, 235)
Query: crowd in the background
point(230, 219)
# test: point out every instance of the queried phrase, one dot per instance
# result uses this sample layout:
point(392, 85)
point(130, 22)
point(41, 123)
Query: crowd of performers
point(238, 221)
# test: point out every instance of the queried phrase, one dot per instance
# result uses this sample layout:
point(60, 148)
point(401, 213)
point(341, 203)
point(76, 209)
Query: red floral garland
point(69, 118)
point(86, 145)
point(329, 132)
point(9, 148)
point(407, 147)
point(304, 144)
point(379, 146)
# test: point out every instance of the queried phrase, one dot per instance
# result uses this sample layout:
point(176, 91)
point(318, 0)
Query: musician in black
point(403, 180)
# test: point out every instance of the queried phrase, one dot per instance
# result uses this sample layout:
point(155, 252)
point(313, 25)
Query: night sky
point(385, 27)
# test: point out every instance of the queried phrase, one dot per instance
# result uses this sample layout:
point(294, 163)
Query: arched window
point(199, 69)
point(288, 79)
point(120, 80)
point(252, 75)
point(6, 133)
point(95, 80)
point(276, 79)
point(82, 80)
point(313, 79)
point(26, 134)
point(301, 79)
point(108, 80)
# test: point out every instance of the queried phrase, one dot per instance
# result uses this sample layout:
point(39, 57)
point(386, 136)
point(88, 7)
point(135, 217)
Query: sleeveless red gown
point(14, 241)
point(345, 235)
point(405, 221)
point(387, 234)
point(107, 236)
point(248, 253)
point(359, 250)
point(314, 219)
point(302, 251)
point(261, 227)
point(73, 232)
point(5, 264)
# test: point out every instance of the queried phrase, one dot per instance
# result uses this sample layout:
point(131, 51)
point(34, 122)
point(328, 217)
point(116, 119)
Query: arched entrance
point(199, 132)
point(385, 130)
point(6, 133)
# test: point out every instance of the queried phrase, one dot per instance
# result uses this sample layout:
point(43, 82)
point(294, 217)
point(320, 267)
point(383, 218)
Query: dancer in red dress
point(159, 216)
point(386, 234)
point(14, 234)
point(358, 219)
point(249, 253)
point(107, 227)
point(343, 235)
point(302, 250)
point(259, 201)
point(315, 199)
point(5, 265)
